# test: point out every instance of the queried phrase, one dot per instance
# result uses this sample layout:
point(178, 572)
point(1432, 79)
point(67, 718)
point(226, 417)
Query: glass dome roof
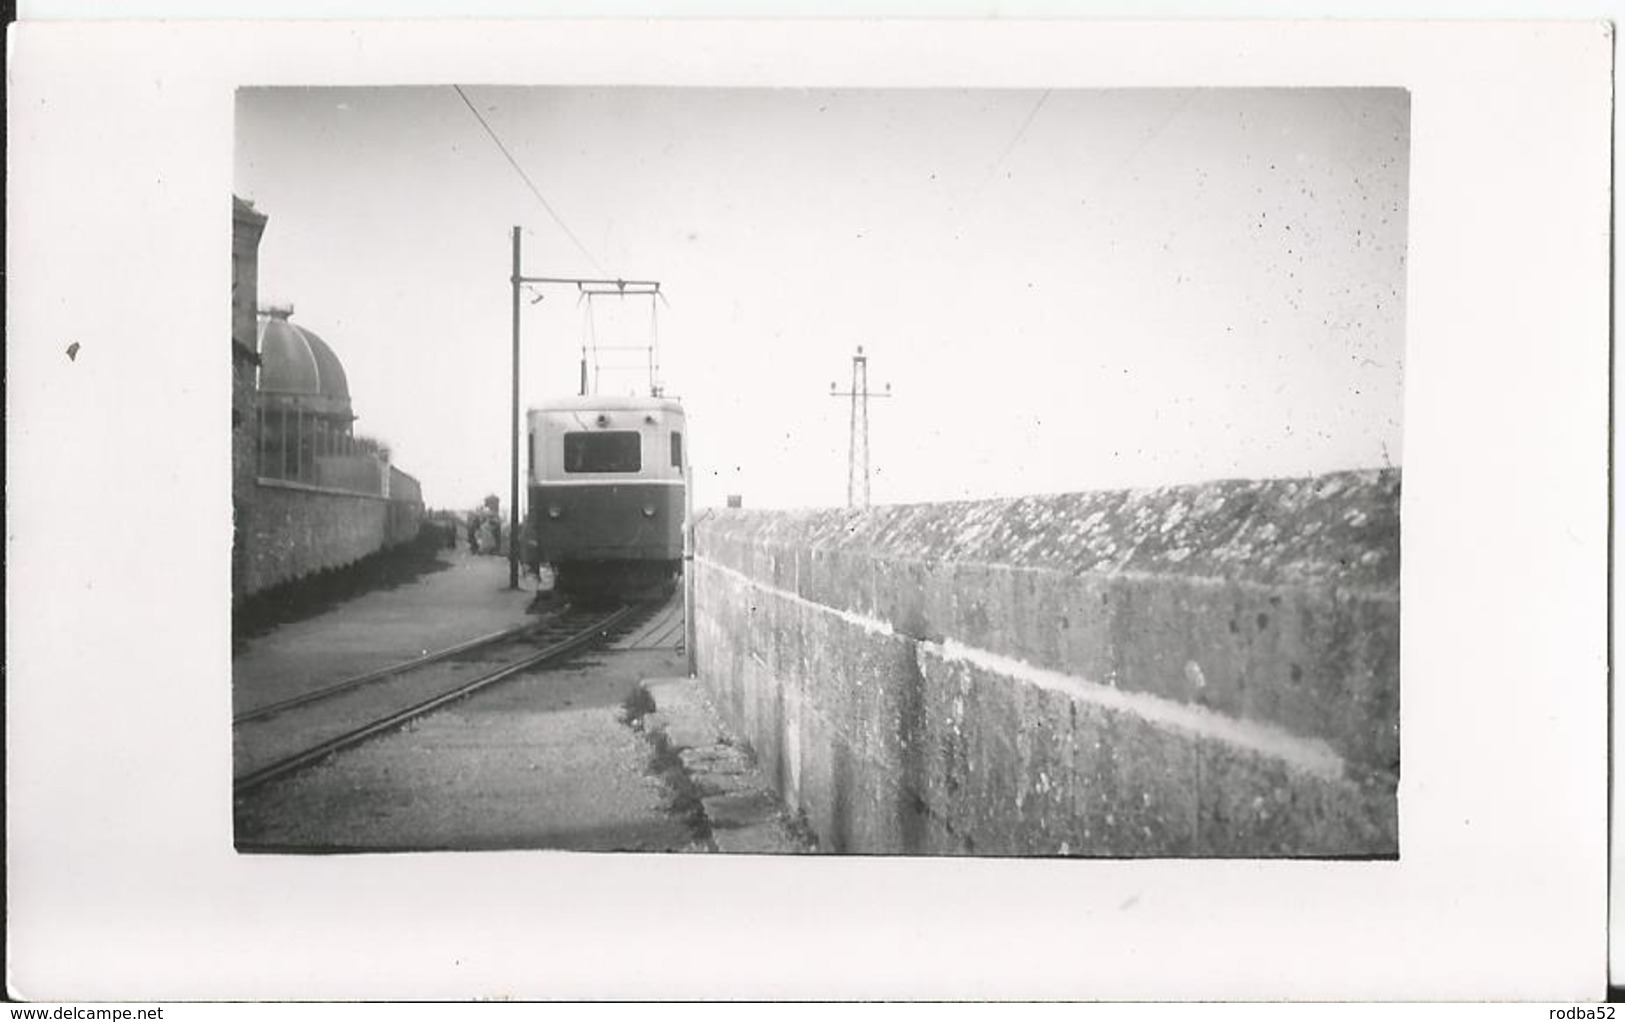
point(297, 365)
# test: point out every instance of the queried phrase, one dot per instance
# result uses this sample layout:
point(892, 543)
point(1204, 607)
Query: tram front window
point(612, 451)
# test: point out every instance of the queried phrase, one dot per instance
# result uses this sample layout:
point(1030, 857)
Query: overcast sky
point(1067, 290)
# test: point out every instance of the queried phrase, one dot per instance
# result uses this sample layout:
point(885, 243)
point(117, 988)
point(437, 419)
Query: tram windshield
point(611, 451)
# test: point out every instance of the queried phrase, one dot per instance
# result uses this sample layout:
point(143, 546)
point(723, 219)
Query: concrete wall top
point(1341, 528)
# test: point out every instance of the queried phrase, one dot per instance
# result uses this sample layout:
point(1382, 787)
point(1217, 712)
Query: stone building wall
point(296, 530)
point(247, 227)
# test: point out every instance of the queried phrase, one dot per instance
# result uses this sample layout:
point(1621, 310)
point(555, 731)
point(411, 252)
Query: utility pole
point(857, 438)
point(513, 432)
point(588, 286)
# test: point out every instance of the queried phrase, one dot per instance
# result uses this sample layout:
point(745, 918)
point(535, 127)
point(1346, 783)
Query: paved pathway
point(468, 598)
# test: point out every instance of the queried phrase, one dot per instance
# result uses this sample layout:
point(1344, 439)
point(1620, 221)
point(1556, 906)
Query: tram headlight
point(648, 511)
point(554, 512)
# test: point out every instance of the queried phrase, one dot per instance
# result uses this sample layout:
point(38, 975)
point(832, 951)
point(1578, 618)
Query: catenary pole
point(513, 433)
point(585, 285)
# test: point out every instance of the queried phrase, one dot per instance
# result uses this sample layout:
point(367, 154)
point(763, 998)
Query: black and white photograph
point(807, 510)
point(1042, 496)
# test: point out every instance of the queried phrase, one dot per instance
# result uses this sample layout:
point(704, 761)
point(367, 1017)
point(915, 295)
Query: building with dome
point(307, 493)
point(298, 370)
point(305, 417)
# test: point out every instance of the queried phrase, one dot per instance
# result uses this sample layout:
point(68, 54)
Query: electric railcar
point(607, 493)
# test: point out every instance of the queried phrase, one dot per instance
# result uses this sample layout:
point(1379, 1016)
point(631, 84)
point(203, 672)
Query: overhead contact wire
point(528, 182)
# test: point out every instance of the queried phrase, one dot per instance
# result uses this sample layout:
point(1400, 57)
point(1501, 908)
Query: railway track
point(273, 741)
point(662, 628)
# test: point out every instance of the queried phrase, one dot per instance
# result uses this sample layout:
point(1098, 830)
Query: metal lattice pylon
point(857, 442)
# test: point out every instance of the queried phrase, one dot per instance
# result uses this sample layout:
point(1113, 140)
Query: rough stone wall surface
point(358, 473)
point(244, 444)
point(244, 428)
point(296, 530)
point(404, 487)
point(1202, 670)
point(405, 507)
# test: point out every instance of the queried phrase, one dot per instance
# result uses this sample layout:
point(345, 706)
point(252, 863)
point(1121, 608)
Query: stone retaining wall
point(405, 508)
point(1208, 670)
point(296, 530)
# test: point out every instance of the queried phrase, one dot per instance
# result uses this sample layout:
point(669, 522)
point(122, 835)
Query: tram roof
point(609, 403)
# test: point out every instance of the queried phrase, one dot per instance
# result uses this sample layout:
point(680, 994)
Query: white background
point(121, 879)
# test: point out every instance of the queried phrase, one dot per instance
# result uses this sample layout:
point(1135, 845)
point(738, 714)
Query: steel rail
point(287, 765)
point(340, 687)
